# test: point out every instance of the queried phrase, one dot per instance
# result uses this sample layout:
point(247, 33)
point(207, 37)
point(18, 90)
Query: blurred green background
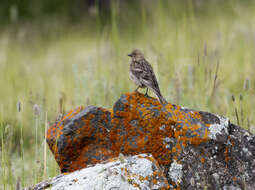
point(57, 55)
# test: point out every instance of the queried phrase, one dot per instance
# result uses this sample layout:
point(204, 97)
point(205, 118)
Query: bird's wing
point(148, 77)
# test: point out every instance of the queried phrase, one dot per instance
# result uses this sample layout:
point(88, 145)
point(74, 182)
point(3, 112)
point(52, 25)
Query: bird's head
point(136, 55)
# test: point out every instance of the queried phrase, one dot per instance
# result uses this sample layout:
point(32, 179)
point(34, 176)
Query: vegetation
point(202, 53)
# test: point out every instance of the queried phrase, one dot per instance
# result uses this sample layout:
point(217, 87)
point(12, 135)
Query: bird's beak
point(130, 55)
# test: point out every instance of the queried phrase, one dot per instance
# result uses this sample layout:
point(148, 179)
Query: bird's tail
point(161, 99)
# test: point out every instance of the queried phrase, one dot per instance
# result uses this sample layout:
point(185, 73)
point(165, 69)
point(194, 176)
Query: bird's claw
point(136, 90)
point(146, 93)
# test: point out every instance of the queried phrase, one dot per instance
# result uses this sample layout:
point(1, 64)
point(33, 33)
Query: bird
point(141, 73)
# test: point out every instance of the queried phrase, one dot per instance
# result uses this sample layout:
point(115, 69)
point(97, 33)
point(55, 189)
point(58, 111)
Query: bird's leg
point(136, 90)
point(146, 93)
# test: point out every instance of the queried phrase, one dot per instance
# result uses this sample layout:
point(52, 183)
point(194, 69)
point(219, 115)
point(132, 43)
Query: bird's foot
point(136, 90)
point(146, 93)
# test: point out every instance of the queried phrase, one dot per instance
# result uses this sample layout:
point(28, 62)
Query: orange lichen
point(232, 141)
point(135, 185)
point(154, 181)
point(75, 180)
point(226, 153)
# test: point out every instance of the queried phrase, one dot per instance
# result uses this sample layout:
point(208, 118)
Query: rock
point(195, 149)
point(132, 172)
point(81, 138)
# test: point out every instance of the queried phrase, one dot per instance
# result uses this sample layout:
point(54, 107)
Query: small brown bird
point(141, 73)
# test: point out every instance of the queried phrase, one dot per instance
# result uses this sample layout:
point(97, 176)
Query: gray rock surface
point(125, 173)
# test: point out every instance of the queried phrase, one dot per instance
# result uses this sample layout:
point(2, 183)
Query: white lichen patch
point(216, 129)
point(162, 127)
point(247, 152)
point(175, 172)
point(132, 173)
point(142, 167)
point(166, 140)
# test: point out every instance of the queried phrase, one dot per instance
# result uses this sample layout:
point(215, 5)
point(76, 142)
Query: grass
point(203, 56)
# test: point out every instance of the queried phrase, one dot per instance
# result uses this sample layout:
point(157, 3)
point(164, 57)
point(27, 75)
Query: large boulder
point(195, 149)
